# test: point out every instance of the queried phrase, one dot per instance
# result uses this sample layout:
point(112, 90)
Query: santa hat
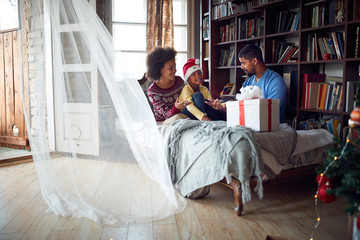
point(191, 66)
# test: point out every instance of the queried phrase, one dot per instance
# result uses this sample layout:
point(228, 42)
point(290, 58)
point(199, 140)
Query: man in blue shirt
point(270, 82)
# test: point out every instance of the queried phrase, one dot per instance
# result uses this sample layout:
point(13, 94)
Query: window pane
point(129, 11)
point(78, 87)
point(74, 46)
point(123, 40)
point(9, 17)
point(67, 16)
point(180, 38)
point(180, 13)
point(181, 59)
point(131, 63)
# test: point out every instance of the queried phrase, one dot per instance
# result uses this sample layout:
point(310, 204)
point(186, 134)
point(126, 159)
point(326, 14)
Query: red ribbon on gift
point(242, 113)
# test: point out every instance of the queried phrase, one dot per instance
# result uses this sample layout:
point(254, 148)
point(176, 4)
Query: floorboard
point(287, 210)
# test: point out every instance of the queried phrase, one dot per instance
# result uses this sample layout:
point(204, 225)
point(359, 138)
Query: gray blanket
point(202, 153)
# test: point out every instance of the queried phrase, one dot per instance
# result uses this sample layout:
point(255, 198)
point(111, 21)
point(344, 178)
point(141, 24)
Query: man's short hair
point(251, 51)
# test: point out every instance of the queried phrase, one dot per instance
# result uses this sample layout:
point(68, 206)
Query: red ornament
point(324, 180)
point(355, 115)
point(324, 196)
point(358, 223)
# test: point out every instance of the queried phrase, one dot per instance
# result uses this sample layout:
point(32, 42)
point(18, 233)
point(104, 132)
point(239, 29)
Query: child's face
point(196, 78)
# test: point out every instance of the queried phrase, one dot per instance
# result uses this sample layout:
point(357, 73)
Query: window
point(129, 34)
point(9, 16)
point(180, 34)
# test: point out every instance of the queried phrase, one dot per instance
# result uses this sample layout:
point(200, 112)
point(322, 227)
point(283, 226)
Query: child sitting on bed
point(202, 106)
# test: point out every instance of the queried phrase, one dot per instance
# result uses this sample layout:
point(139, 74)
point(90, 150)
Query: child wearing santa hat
point(202, 106)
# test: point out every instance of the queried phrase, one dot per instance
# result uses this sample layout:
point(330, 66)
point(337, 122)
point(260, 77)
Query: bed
point(203, 153)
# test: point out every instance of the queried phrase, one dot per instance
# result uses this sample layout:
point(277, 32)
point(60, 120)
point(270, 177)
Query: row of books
point(283, 52)
point(236, 8)
point(325, 47)
point(220, 11)
point(226, 8)
point(328, 12)
point(285, 21)
point(332, 124)
point(227, 57)
point(324, 96)
point(250, 27)
point(327, 92)
point(227, 33)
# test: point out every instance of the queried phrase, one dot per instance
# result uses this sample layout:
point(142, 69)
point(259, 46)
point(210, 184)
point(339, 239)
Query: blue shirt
point(273, 87)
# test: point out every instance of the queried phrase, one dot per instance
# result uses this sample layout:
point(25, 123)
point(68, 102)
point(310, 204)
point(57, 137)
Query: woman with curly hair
point(164, 92)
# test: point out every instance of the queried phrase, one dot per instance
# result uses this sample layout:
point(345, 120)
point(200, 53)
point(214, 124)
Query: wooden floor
point(287, 210)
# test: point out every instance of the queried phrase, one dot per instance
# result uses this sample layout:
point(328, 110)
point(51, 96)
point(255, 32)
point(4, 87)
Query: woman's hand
point(216, 104)
point(181, 105)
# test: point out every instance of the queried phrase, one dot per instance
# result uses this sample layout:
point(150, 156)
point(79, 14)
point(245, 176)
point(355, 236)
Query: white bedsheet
point(307, 140)
point(310, 139)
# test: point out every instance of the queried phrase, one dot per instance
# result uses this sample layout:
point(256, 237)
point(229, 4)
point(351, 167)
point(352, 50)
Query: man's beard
point(249, 74)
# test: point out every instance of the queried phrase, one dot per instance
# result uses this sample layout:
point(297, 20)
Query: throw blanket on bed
point(280, 143)
point(202, 153)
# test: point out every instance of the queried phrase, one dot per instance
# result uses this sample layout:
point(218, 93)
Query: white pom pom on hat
point(191, 66)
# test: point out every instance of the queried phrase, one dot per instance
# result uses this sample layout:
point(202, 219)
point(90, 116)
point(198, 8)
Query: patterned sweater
point(163, 100)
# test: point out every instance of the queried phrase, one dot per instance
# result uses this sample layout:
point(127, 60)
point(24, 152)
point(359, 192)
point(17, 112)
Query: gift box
point(258, 114)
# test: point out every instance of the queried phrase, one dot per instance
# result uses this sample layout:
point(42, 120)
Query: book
point(336, 45)
point(340, 37)
point(313, 95)
point(352, 87)
point(328, 96)
point(357, 42)
point(321, 47)
point(311, 77)
point(331, 48)
point(229, 89)
point(339, 101)
point(323, 94)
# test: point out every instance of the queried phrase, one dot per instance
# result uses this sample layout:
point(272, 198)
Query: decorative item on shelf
point(327, 56)
point(339, 175)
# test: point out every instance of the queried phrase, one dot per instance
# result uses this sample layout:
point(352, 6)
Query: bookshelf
point(205, 39)
point(292, 35)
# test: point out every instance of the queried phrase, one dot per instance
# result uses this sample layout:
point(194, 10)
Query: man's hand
point(216, 104)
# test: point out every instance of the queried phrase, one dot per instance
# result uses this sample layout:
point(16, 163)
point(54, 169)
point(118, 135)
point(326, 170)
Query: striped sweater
point(163, 100)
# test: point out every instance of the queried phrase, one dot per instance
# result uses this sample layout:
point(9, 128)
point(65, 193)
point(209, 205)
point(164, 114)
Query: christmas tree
point(339, 174)
point(340, 171)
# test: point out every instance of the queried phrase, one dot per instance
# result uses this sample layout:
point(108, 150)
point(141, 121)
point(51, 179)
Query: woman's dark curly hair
point(156, 60)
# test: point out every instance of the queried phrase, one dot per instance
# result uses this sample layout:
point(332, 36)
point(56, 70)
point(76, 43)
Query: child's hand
point(181, 105)
point(205, 118)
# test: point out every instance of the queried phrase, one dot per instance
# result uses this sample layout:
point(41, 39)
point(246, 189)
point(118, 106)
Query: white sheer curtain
point(126, 177)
